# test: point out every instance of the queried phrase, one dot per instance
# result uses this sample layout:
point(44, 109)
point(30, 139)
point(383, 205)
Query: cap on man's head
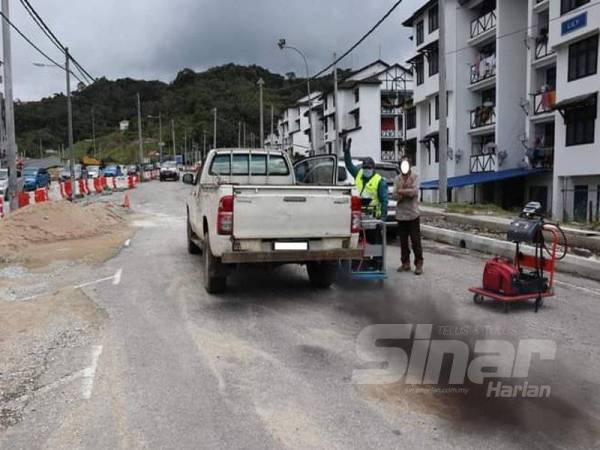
point(368, 163)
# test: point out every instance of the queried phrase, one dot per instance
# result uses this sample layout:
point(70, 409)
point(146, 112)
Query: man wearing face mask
point(406, 190)
point(368, 183)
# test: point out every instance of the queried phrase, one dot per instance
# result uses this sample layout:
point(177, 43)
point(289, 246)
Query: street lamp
point(281, 43)
point(160, 141)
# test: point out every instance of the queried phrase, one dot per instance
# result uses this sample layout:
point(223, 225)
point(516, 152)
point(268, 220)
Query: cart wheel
point(478, 298)
point(506, 307)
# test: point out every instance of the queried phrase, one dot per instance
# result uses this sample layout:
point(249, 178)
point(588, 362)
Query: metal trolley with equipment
point(527, 277)
point(373, 242)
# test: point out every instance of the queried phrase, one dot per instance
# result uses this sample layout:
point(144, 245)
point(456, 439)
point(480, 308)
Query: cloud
point(155, 39)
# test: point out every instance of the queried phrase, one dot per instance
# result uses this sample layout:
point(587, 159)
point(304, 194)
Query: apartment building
point(294, 126)
point(486, 55)
point(571, 28)
point(370, 111)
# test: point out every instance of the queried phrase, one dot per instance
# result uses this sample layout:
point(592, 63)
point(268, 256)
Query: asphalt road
point(269, 364)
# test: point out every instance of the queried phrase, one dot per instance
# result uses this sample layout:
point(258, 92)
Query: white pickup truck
point(256, 207)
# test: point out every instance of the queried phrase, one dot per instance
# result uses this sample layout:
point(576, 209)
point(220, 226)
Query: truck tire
point(193, 249)
point(322, 274)
point(214, 280)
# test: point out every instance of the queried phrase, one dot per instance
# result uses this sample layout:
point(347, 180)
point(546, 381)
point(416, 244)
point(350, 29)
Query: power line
point(360, 41)
point(48, 32)
point(14, 27)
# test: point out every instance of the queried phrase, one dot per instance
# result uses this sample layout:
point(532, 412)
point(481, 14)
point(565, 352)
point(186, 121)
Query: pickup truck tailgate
point(291, 212)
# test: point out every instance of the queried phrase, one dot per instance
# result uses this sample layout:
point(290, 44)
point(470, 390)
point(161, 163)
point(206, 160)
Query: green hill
point(189, 100)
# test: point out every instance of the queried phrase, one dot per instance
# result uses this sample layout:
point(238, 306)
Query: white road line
point(89, 283)
point(127, 242)
point(581, 288)
point(117, 277)
point(89, 373)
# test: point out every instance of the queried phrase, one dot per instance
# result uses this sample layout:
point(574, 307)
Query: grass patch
point(484, 209)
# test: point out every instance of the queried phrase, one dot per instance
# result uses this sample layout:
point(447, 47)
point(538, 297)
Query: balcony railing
point(542, 158)
point(483, 24)
point(390, 134)
point(483, 116)
point(484, 69)
point(541, 48)
point(544, 102)
point(385, 111)
point(483, 163)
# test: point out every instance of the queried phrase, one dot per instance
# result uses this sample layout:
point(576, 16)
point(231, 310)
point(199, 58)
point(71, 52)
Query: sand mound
point(56, 221)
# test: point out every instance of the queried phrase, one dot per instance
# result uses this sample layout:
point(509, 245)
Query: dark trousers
point(410, 229)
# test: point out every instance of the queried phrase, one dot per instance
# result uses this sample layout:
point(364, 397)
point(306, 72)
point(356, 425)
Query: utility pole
point(139, 117)
point(173, 137)
point(240, 134)
point(93, 133)
point(215, 129)
point(70, 120)
point(41, 149)
point(272, 126)
point(244, 134)
point(261, 83)
point(204, 145)
point(336, 142)
point(185, 147)
point(9, 110)
point(443, 109)
point(160, 140)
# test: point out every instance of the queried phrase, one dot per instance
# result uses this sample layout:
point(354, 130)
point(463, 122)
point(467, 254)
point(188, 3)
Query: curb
point(572, 264)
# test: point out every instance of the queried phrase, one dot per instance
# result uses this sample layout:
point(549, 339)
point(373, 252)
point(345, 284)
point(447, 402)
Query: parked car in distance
point(93, 171)
point(35, 178)
point(169, 171)
point(65, 172)
point(4, 182)
point(132, 169)
point(113, 171)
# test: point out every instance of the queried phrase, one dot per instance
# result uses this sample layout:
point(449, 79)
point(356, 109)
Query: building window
point(429, 112)
point(580, 123)
point(583, 58)
point(419, 68)
point(433, 19)
point(433, 62)
point(569, 5)
point(437, 107)
point(420, 33)
point(411, 118)
point(356, 95)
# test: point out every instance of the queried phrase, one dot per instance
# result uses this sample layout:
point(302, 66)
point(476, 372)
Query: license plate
point(291, 246)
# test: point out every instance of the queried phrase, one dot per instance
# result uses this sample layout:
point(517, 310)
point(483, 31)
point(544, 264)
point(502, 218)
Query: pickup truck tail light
point(356, 214)
point(225, 216)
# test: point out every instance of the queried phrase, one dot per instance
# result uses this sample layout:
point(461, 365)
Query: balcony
point(542, 158)
point(484, 69)
point(544, 102)
point(541, 48)
point(483, 116)
point(483, 163)
point(483, 24)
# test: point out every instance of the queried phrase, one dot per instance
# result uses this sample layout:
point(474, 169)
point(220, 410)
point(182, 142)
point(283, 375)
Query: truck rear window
point(221, 165)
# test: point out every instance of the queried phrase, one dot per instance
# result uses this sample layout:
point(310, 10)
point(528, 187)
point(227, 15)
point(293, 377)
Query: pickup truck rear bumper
point(290, 256)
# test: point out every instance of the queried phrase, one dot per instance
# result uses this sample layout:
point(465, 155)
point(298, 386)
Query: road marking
point(117, 277)
point(581, 288)
point(127, 242)
point(89, 373)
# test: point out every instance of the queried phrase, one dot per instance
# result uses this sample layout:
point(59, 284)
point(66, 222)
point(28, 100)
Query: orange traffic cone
point(126, 201)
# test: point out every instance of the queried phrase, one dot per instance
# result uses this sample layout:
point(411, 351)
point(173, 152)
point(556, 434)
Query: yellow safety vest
point(370, 190)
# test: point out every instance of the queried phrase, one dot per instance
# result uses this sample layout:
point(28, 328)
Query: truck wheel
point(193, 249)
point(214, 281)
point(322, 274)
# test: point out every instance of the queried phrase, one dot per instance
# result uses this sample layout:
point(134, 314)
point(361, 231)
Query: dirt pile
point(53, 222)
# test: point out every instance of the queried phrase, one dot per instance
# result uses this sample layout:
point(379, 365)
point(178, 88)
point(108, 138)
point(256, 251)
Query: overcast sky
point(154, 39)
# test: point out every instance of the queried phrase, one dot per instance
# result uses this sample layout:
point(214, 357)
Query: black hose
point(564, 240)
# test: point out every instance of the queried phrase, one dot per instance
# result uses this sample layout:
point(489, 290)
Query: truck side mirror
point(188, 178)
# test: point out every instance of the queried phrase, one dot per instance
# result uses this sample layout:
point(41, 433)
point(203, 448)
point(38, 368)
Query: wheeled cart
point(373, 242)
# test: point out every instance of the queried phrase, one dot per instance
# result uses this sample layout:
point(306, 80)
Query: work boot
point(404, 268)
point(419, 268)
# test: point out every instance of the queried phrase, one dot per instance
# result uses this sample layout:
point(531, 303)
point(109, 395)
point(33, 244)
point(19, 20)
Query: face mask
point(368, 173)
point(405, 167)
